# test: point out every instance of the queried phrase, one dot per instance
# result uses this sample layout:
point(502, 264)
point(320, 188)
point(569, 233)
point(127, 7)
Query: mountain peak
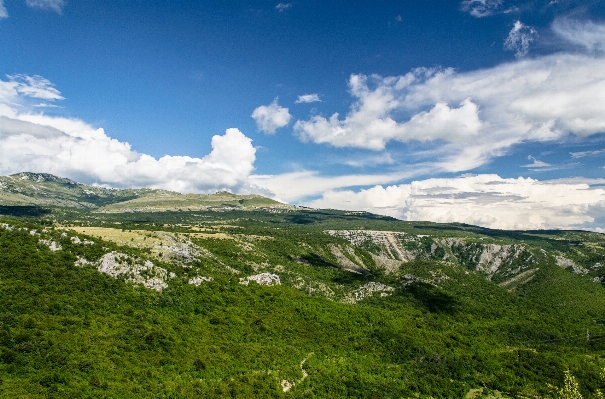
point(39, 177)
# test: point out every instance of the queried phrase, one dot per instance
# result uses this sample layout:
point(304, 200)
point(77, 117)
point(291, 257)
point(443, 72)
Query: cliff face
point(503, 263)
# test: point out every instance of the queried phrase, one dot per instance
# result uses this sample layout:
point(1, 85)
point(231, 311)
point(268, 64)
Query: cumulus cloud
point(281, 7)
point(370, 124)
point(271, 117)
point(73, 148)
point(484, 200)
point(467, 118)
point(49, 5)
point(519, 38)
point(586, 34)
point(3, 12)
point(480, 8)
point(308, 98)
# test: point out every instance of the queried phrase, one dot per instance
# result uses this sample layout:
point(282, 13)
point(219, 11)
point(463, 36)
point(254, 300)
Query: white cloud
point(586, 34)
point(536, 163)
point(480, 8)
point(362, 161)
point(271, 117)
point(3, 12)
point(281, 7)
point(370, 124)
point(46, 105)
point(50, 5)
point(72, 148)
point(308, 98)
point(583, 154)
point(519, 39)
point(470, 117)
point(294, 186)
point(35, 87)
point(484, 200)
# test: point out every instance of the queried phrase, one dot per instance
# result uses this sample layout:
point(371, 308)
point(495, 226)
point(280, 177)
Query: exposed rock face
point(40, 177)
point(182, 251)
point(388, 243)
point(82, 262)
point(391, 247)
point(346, 263)
point(198, 280)
point(262, 279)
point(492, 259)
point(52, 245)
point(409, 280)
point(132, 270)
point(77, 240)
point(570, 264)
point(367, 290)
point(492, 256)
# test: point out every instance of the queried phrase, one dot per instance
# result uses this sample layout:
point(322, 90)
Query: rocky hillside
point(136, 293)
point(508, 264)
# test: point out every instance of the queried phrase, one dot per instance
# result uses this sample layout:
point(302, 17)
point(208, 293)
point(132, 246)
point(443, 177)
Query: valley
point(149, 293)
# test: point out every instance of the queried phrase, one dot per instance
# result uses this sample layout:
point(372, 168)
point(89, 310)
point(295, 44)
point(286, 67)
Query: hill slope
point(43, 189)
point(255, 300)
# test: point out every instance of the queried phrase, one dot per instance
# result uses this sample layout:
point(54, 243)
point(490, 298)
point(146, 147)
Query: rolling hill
point(151, 293)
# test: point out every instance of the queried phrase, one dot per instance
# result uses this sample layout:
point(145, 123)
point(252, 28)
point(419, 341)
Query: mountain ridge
point(43, 189)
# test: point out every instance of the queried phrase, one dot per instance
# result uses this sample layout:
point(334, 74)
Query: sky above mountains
point(489, 112)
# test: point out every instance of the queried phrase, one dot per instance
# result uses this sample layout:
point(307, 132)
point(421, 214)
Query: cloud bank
point(484, 200)
point(72, 148)
point(586, 34)
point(470, 117)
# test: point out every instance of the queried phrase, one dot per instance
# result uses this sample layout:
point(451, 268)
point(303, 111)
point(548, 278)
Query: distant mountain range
point(44, 189)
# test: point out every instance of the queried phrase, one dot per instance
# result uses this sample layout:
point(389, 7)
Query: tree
point(571, 389)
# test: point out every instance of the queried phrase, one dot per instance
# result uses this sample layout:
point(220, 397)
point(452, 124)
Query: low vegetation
point(263, 301)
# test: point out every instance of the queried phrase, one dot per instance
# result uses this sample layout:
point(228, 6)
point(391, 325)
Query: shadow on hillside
point(315, 260)
point(300, 219)
point(433, 298)
point(23, 211)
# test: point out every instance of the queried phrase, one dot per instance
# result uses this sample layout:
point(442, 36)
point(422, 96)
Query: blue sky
point(412, 109)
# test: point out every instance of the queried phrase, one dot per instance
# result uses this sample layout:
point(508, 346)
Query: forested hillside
point(248, 297)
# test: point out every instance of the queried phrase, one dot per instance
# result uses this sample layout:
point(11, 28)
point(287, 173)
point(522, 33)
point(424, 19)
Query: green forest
point(262, 301)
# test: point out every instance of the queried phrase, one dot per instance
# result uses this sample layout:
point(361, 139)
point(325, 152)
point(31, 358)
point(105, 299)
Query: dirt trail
point(287, 385)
